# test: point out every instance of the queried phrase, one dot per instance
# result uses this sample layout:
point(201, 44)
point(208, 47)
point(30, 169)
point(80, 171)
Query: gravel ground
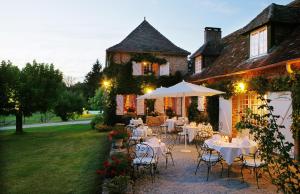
point(181, 178)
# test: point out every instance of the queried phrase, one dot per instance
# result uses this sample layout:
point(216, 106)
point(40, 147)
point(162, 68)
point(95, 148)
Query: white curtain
point(201, 103)
point(159, 105)
point(136, 68)
point(164, 69)
point(140, 106)
point(120, 105)
point(178, 106)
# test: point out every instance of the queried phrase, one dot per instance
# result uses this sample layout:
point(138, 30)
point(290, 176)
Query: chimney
point(212, 34)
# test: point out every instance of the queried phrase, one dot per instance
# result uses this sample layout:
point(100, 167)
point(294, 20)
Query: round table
point(158, 148)
point(229, 151)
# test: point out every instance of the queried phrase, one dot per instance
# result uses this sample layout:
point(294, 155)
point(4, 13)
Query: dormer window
point(258, 42)
point(198, 64)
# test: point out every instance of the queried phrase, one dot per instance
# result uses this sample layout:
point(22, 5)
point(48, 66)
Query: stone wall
point(177, 62)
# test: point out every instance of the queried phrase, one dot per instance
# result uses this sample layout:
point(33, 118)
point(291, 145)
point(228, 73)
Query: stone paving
point(181, 178)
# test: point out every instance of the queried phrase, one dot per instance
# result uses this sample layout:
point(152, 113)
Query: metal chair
point(144, 157)
point(253, 161)
point(209, 156)
point(170, 143)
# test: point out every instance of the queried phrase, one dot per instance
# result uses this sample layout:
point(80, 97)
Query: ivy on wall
point(126, 83)
point(148, 57)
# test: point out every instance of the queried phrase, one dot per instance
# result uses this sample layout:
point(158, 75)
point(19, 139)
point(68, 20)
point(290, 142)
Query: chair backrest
point(170, 141)
point(144, 150)
point(138, 132)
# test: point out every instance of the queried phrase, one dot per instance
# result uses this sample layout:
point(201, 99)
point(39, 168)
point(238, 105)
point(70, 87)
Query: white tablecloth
point(158, 148)
point(136, 122)
point(191, 131)
point(171, 124)
point(230, 151)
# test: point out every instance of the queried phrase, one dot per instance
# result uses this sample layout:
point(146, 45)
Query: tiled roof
point(274, 13)
point(144, 39)
point(234, 56)
point(211, 48)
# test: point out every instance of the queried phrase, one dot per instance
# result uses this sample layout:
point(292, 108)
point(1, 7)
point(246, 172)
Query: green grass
point(61, 159)
point(36, 118)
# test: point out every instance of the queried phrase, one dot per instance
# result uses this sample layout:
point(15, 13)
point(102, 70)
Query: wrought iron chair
point(209, 156)
point(253, 161)
point(170, 143)
point(144, 157)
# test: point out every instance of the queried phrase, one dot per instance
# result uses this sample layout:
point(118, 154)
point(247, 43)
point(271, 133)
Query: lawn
point(61, 159)
point(36, 118)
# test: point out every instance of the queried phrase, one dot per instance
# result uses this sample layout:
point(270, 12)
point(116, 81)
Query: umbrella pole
point(184, 129)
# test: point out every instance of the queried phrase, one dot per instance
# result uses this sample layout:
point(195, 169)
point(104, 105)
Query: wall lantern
point(106, 84)
point(148, 90)
point(240, 87)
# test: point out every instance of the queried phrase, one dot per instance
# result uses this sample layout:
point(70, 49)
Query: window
point(198, 64)
point(249, 101)
point(147, 68)
point(258, 42)
point(129, 103)
point(170, 102)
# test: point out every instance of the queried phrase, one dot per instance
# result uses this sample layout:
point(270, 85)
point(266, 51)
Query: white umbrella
point(184, 89)
point(153, 94)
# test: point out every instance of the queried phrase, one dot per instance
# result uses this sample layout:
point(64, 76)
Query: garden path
point(181, 178)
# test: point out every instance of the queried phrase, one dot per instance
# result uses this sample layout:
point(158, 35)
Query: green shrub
point(118, 185)
point(98, 119)
point(103, 128)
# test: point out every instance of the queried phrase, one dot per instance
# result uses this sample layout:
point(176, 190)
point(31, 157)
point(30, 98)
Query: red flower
point(113, 158)
point(106, 164)
point(117, 161)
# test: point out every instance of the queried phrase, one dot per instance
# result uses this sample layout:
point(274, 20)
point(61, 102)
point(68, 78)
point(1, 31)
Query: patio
point(181, 178)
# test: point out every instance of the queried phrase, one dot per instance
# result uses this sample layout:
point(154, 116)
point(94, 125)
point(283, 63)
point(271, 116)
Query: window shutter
point(136, 68)
point(164, 69)
point(159, 105)
point(120, 105)
point(281, 102)
point(140, 108)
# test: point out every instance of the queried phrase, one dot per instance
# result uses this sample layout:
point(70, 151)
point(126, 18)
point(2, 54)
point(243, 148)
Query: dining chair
point(180, 132)
point(144, 157)
point(209, 156)
point(170, 141)
point(254, 162)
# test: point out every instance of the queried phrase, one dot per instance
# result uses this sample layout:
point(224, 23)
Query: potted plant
point(117, 136)
point(116, 165)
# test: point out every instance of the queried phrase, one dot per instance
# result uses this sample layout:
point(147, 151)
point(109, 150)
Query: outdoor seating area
point(162, 163)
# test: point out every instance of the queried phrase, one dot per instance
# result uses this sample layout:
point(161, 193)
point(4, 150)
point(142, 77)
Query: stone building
point(145, 39)
point(268, 47)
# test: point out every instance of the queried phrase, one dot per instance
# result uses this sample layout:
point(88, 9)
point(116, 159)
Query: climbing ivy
point(275, 150)
point(149, 58)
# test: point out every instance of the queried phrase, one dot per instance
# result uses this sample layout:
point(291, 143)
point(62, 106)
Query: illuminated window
point(169, 103)
point(129, 103)
point(147, 68)
point(198, 64)
point(249, 101)
point(258, 42)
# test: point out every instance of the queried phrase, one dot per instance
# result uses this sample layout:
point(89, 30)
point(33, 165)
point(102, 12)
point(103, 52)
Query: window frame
point(258, 42)
point(198, 63)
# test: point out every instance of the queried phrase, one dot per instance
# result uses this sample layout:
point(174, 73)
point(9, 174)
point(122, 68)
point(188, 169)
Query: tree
point(93, 79)
point(97, 102)
point(35, 88)
point(68, 105)
point(9, 82)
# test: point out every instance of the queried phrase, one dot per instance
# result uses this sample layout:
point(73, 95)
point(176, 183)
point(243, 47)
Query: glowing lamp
point(106, 83)
point(148, 90)
point(240, 87)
